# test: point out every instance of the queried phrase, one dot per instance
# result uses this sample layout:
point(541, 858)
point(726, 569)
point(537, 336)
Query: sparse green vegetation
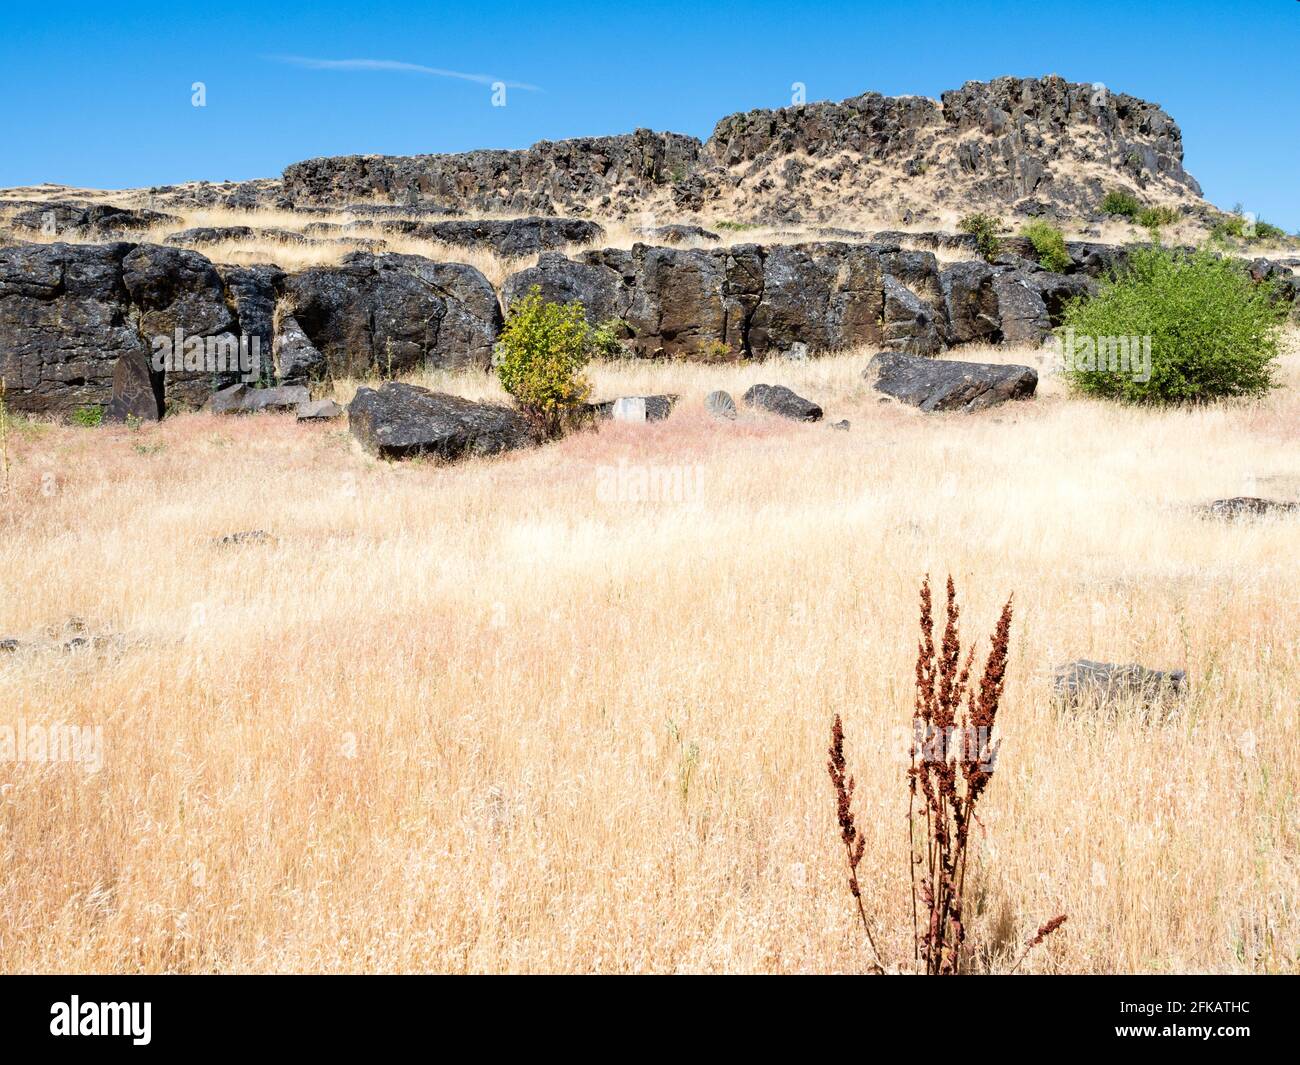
point(986, 229)
point(1049, 244)
point(1123, 203)
point(88, 416)
point(540, 356)
point(734, 227)
point(607, 339)
point(1213, 333)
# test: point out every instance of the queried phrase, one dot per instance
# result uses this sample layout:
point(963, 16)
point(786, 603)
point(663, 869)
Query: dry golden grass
point(484, 718)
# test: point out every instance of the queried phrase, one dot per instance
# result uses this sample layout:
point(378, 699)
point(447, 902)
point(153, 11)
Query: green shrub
point(1213, 333)
point(540, 357)
point(734, 227)
point(1268, 231)
point(985, 229)
point(88, 416)
point(1155, 217)
point(1049, 243)
point(1119, 202)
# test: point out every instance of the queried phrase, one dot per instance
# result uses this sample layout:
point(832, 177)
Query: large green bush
point(1049, 244)
point(1213, 332)
point(540, 356)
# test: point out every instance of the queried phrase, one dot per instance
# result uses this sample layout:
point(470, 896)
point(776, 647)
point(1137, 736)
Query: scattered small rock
point(777, 399)
point(720, 405)
point(657, 408)
point(1104, 683)
point(240, 539)
point(319, 410)
point(842, 425)
point(1248, 507)
point(9, 645)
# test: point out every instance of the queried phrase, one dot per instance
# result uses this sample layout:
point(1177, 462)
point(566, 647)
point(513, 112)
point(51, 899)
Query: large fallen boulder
point(399, 421)
point(942, 384)
point(777, 399)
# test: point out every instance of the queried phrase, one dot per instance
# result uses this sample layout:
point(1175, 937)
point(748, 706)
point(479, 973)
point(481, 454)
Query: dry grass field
point(568, 710)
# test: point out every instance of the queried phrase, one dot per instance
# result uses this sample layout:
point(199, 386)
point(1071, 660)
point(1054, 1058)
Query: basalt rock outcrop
point(1036, 145)
point(69, 313)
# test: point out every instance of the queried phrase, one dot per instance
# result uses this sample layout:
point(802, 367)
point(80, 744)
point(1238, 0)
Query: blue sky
point(100, 93)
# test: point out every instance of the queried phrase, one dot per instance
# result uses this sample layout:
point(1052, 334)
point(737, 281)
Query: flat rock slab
point(400, 421)
point(777, 399)
point(1248, 507)
point(241, 399)
point(320, 410)
point(657, 408)
point(1101, 684)
point(942, 384)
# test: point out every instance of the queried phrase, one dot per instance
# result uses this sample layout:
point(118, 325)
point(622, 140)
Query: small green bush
point(734, 227)
point(1155, 217)
point(1119, 202)
point(1049, 243)
point(985, 229)
point(1213, 333)
point(540, 356)
point(88, 416)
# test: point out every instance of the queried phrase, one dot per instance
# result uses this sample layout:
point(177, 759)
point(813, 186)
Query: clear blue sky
point(99, 93)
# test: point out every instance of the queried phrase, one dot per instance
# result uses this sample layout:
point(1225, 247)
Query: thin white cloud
point(396, 65)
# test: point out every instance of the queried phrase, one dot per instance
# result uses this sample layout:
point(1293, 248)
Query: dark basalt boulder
point(137, 390)
point(910, 323)
point(82, 220)
point(677, 233)
point(391, 314)
point(1021, 309)
point(210, 235)
point(970, 303)
point(941, 384)
point(777, 399)
point(65, 321)
point(399, 421)
point(513, 237)
point(824, 296)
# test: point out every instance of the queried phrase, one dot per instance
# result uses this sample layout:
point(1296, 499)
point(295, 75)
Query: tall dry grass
point(502, 717)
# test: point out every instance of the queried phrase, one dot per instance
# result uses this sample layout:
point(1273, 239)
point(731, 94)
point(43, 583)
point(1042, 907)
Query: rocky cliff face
point(1037, 146)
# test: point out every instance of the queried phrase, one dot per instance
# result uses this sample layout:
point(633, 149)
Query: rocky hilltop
point(1032, 145)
